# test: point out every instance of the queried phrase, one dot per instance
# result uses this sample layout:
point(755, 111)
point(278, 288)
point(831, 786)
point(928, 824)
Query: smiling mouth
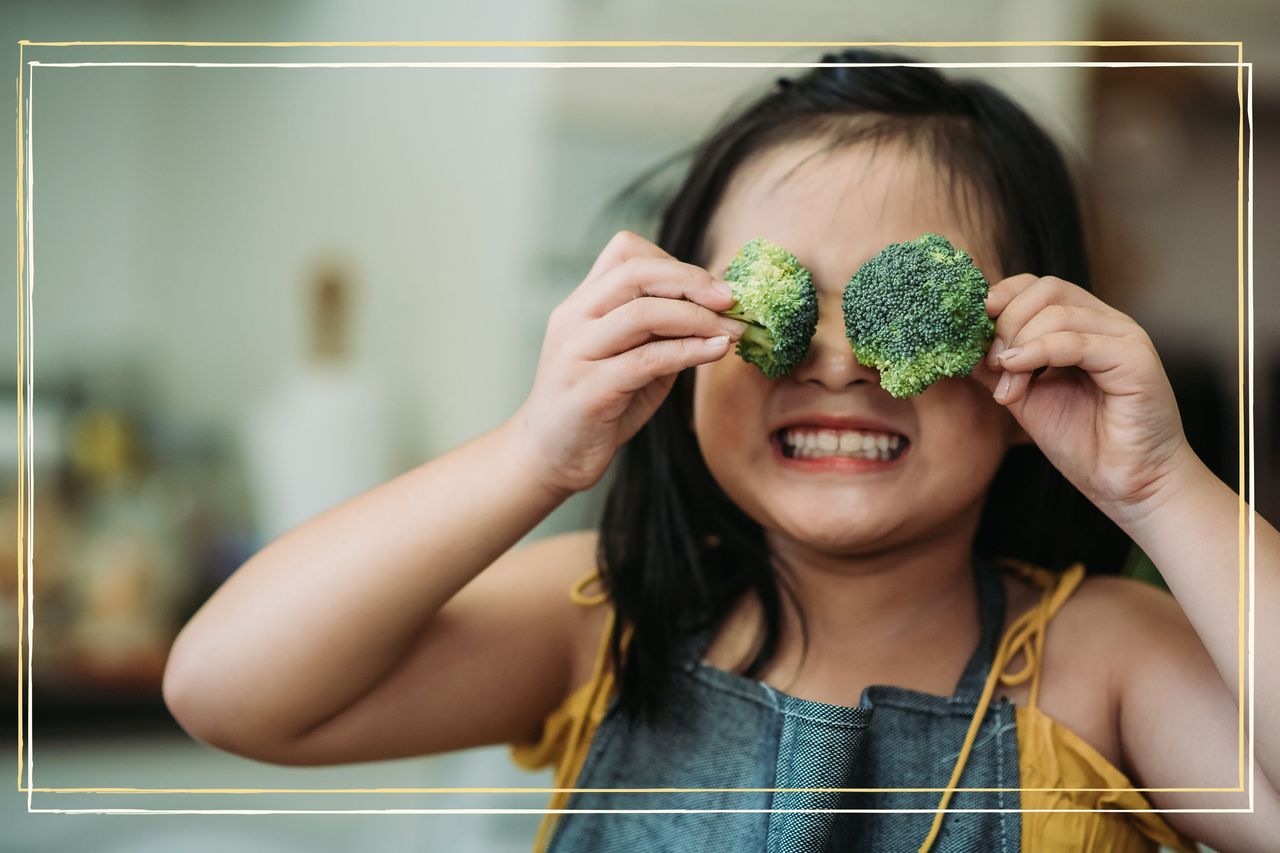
point(808, 443)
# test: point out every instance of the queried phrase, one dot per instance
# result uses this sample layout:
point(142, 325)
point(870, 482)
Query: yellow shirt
point(1050, 755)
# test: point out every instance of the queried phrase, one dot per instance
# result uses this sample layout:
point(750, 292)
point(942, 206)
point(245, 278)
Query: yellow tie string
point(1025, 634)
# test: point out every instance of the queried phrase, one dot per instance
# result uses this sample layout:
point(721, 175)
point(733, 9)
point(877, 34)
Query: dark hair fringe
point(675, 553)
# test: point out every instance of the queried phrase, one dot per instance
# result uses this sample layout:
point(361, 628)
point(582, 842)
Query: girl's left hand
point(1102, 411)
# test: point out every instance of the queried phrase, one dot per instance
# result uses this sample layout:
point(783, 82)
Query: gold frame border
point(23, 473)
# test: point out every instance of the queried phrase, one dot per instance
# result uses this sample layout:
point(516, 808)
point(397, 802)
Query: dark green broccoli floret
point(776, 298)
point(916, 313)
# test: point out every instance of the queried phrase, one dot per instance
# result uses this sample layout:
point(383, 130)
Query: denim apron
point(728, 731)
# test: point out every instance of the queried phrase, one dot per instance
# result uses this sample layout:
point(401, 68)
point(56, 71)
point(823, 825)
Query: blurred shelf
point(69, 714)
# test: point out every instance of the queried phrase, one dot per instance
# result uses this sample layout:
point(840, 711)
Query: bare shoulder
point(1102, 611)
point(541, 574)
point(1128, 616)
point(562, 558)
point(1089, 648)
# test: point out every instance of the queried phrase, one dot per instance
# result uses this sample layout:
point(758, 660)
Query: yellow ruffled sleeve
point(1053, 756)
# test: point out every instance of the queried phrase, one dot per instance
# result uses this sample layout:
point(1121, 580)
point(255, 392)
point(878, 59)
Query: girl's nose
point(830, 360)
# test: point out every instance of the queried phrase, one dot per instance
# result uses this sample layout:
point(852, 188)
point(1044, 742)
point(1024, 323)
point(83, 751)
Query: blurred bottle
point(323, 435)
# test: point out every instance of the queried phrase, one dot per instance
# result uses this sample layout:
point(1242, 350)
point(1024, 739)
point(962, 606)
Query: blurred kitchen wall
point(186, 219)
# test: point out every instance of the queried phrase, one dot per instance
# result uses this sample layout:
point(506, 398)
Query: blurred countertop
point(166, 761)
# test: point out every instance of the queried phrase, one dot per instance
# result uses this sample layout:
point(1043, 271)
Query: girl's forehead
point(835, 208)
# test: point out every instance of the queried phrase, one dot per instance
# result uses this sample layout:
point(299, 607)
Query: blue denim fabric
point(734, 732)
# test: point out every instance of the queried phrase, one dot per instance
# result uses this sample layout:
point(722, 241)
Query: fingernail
point(723, 288)
point(735, 328)
point(996, 346)
point(1009, 353)
point(717, 341)
point(1002, 387)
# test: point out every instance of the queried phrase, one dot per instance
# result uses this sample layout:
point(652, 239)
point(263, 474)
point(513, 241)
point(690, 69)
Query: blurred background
point(262, 291)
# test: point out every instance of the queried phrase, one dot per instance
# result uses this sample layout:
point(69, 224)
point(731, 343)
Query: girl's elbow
point(187, 696)
point(204, 708)
point(197, 702)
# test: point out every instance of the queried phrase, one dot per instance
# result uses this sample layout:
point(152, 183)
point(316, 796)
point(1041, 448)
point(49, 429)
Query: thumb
point(986, 376)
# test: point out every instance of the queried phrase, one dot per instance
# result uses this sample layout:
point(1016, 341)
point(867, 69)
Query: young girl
point(796, 638)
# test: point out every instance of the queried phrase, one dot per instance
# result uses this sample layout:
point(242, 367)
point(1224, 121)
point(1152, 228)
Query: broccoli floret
point(916, 313)
point(775, 297)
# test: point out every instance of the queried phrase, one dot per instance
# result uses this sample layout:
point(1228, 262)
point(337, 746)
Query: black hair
point(675, 553)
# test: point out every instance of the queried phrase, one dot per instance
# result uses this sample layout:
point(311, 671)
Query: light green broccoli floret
point(916, 313)
point(776, 299)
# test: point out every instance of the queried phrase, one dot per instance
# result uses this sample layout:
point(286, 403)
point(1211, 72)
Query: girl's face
point(834, 211)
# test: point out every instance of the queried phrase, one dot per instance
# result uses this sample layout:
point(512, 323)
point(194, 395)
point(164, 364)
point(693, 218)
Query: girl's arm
point(322, 615)
point(397, 623)
point(1195, 531)
point(1180, 717)
point(1104, 414)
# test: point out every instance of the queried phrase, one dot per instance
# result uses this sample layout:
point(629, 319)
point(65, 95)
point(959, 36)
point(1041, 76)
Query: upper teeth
point(830, 442)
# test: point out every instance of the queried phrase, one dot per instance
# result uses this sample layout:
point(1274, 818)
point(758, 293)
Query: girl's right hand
point(611, 354)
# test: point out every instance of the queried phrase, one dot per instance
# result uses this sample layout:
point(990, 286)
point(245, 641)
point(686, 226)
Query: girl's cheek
point(950, 414)
point(709, 400)
point(728, 401)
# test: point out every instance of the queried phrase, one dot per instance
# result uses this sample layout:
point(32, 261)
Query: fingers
point(985, 374)
point(635, 292)
point(625, 269)
point(1011, 387)
point(636, 368)
point(1014, 301)
point(1104, 357)
point(1054, 323)
point(1004, 290)
point(622, 247)
point(635, 322)
point(664, 277)
point(1056, 317)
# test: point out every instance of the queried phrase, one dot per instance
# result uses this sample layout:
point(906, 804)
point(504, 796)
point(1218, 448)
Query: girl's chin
point(829, 530)
point(835, 497)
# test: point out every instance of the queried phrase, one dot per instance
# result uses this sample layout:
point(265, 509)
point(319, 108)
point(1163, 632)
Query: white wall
point(178, 212)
